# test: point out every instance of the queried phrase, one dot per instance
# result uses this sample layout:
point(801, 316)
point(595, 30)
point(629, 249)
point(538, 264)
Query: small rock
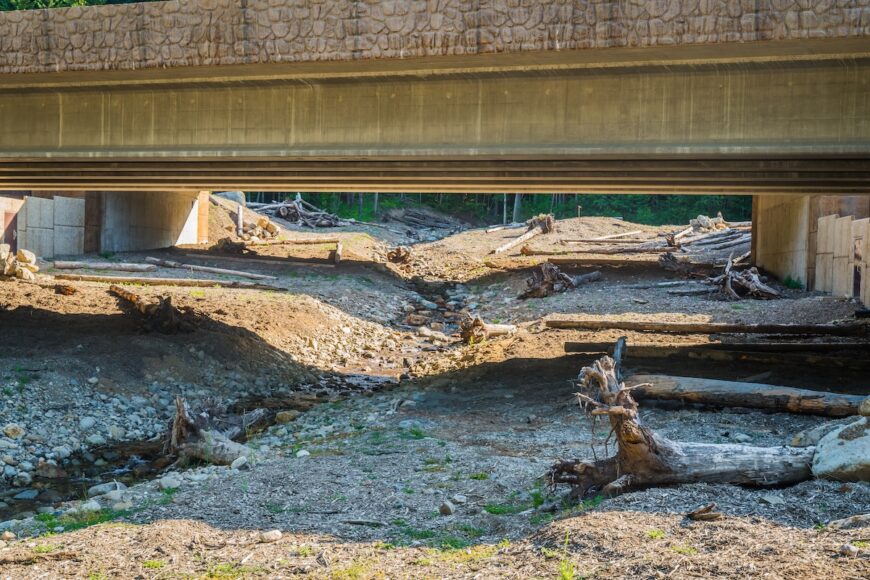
point(104, 488)
point(287, 416)
point(22, 479)
point(270, 536)
point(13, 431)
point(844, 454)
point(96, 439)
point(447, 509)
point(122, 505)
point(864, 409)
point(302, 453)
point(772, 499)
point(849, 550)
point(171, 481)
point(459, 498)
point(7, 536)
point(91, 506)
point(240, 463)
point(741, 438)
point(26, 495)
point(116, 432)
point(87, 423)
point(2, 544)
point(93, 380)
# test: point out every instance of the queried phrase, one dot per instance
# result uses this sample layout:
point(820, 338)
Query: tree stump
point(645, 459)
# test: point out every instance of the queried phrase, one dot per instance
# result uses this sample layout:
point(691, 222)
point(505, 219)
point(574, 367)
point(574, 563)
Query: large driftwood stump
point(211, 435)
point(645, 459)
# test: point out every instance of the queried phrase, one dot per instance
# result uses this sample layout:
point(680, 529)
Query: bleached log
point(303, 242)
point(475, 330)
point(210, 269)
point(116, 266)
point(517, 241)
point(707, 327)
point(615, 236)
point(719, 393)
point(492, 229)
point(184, 282)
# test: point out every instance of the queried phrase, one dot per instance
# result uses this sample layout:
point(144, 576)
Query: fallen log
point(304, 242)
point(597, 242)
point(527, 251)
point(210, 269)
point(475, 330)
point(646, 459)
point(716, 393)
point(542, 224)
point(198, 437)
point(580, 261)
point(514, 226)
point(257, 259)
point(117, 266)
point(707, 327)
point(161, 315)
point(184, 282)
point(547, 279)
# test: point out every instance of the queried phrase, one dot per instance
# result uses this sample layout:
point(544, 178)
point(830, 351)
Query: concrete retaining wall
point(146, 220)
point(223, 32)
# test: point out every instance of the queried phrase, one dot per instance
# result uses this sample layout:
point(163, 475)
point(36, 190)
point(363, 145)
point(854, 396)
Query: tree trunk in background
point(376, 203)
point(517, 206)
point(504, 208)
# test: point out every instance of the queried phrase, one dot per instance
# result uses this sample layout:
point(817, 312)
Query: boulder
point(104, 488)
point(236, 196)
point(844, 454)
point(864, 409)
point(5, 250)
point(13, 431)
point(24, 274)
point(811, 437)
point(26, 256)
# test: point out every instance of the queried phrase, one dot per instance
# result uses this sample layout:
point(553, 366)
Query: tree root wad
point(645, 459)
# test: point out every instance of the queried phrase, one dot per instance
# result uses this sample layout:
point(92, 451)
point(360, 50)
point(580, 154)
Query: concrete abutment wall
point(69, 223)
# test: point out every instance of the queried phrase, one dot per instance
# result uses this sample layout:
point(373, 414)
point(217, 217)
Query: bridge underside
point(767, 118)
point(471, 174)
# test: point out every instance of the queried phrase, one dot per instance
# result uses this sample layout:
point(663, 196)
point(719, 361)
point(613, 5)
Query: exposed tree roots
point(161, 316)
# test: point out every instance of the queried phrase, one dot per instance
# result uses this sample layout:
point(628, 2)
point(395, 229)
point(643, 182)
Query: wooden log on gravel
point(542, 224)
point(646, 459)
point(547, 279)
point(116, 266)
point(492, 229)
point(190, 283)
point(727, 350)
point(613, 236)
point(305, 242)
point(856, 329)
point(212, 270)
point(475, 330)
point(597, 242)
point(718, 393)
point(257, 259)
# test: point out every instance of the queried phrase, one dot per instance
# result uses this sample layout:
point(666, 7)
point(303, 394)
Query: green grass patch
point(153, 564)
point(81, 520)
point(480, 476)
point(655, 534)
point(684, 549)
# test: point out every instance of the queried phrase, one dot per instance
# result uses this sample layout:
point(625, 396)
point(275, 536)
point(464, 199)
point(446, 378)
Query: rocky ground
point(426, 457)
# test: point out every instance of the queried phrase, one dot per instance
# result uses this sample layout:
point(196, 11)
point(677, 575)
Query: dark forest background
point(496, 208)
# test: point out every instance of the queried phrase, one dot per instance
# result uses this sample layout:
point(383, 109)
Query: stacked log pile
point(21, 265)
point(416, 219)
point(299, 211)
point(159, 315)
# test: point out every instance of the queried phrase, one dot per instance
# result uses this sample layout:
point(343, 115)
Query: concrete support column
point(780, 236)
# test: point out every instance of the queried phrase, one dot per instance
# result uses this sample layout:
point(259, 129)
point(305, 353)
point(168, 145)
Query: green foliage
point(793, 283)
point(488, 208)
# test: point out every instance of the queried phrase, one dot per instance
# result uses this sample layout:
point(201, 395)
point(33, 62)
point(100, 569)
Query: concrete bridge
point(762, 97)
point(689, 96)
